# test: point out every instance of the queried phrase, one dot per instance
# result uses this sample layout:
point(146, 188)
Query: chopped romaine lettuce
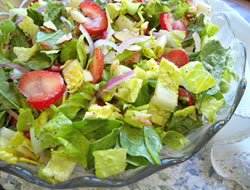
point(109, 162)
point(58, 168)
point(195, 78)
point(24, 54)
point(28, 27)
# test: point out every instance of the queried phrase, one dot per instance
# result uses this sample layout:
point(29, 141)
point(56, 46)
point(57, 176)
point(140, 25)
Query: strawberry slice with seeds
point(177, 56)
point(97, 66)
point(97, 21)
point(166, 21)
point(42, 88)
point(180, 25)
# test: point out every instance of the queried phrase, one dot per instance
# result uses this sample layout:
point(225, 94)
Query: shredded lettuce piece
point(175, 140)
point(58, 168)
point(109, 162)
point(210, 106)
point(195, 78)
point(24, 54)
point(28, 27)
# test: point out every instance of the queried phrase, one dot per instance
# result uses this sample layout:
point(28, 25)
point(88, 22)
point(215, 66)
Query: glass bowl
point(198, 138)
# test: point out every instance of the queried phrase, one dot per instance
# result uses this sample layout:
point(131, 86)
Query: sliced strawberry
point(26, 134)
point(13, 121)
point(177, 56)
point(185, 94)
point(180, 25)
point(42, 88)
point(97, 66)
point(166, 21)
point(97, 21)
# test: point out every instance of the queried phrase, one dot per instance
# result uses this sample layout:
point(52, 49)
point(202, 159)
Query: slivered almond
point(133, 48)
point(64, 38)
point(123, 35)
point(78, 17)
point(46, 45)
point(50, 25)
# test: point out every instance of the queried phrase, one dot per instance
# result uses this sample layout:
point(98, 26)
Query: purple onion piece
point(117, 80)
point(13, 114)
point(17, 66)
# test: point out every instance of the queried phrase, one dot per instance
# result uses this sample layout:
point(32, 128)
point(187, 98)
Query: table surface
point(194, 174)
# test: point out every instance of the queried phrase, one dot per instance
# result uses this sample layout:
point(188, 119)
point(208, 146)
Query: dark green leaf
point(40, 61)
point(73, 104)
point(175, 140)
point(36, 16)
point(183, 125)
point(68, 51)
point(137, 161)
point(3, 118)
point(89, 125)
point(132, 139)
point(18, 40)
point(143, 96)
point(153, 143)
point(102, 4)
point(8, 96)
point(52, 10)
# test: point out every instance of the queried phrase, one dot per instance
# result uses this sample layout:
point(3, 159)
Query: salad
point(106, 84)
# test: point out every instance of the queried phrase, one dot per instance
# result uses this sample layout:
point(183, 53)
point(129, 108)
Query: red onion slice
point(88, 38)
point(13, 114)
point(17, 66)
point(41, 9)
point(43, 157)
point(19, 19)
point(117, 80)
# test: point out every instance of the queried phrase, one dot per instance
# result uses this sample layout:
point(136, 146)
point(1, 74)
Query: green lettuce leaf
point(137, 161)
point(153, 143)
point(109, 162)
point(143, 96)
point(39, 61)
point(132, 139)
point(210, 106)
point(189, 111)
point(175, 140)
point(153, 9)
point(165, 98)
point(195, 78)
point(8, 96)
point(52, 10)
point(218, 61)
point(183, 124)
point(28, 27)
point(25, 120)
point(69, 51)
point(128, 91)
point(181, 9)
point(100, 127)
point(17, 40)
point(24, 54)
point(73, 104)
point(81, 55)
point(58, 168)
point(36, 16)
point(71, 148)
